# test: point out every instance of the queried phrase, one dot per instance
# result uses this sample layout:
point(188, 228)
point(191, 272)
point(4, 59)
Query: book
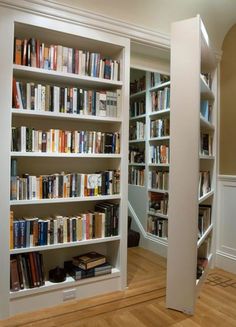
point(89, 260)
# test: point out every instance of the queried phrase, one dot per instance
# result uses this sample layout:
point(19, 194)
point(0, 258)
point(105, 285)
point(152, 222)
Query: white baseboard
point(226, 262)
point(154, 246)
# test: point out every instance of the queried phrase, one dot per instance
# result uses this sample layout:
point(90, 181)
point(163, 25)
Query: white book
point(75, 96)
point(80, 62)
point(51, 56)
point(36, 98)
point(59, 57)
point(56, 99)
point(65, 229)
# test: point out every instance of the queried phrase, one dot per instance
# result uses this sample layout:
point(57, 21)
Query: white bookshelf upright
point(190, 247)
point(52, 31)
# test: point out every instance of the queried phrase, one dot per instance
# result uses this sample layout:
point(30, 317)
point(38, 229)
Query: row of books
point(204, 183)
point(160, 99)
point(138, 85)
point(158, 179)
point(136, 155)
point(157, 78)
point(159, 154)
point(34, 231)
point(26, 271)
point(137, 131)
point(33, 53)
point(28, 139)
point(136, 176)
point(206, 144)
point(58, 99)
point(204, 219)
point(157, 226)
point(63, 185)
point(137, 108)
point(158, 203)
point(160, 127)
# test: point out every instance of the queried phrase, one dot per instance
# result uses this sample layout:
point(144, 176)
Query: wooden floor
point(143, 303)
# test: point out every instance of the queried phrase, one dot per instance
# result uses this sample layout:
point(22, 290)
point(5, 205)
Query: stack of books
point(91, 264)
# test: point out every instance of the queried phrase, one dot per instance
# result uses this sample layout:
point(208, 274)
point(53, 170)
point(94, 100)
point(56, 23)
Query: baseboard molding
point(225, 261)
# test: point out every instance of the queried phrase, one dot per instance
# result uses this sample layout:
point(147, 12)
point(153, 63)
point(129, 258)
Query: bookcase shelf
point(160, 86)
point(65, 155)
point(64, 245)
point(137, 117)
point(68, 283)
point(204, 236)
point(206, 92)
point(157, 190)
point(60, 77)
point(192, 64)
point(137, 164)
point(66, 200)
point(158, 165)
point(162, 138)
point(164, 112)
point(206, 196)
point(52, 115)
point(161, 215)
point(206, 124)
point(138, 95)
point(136, 141)
point(110, 51)
point(205, 157)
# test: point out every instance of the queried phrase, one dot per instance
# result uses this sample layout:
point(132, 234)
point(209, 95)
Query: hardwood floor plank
point(143, 303)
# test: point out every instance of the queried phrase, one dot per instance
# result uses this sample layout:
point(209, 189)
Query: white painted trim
point(227, 178)
point(225, 261)
point(137, 221)
point(78, 16)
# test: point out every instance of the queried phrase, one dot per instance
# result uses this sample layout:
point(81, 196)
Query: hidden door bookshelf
point(72, 124)
point(193, 163)
point(150, 107)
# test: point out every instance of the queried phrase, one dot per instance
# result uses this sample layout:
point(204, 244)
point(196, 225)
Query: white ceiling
point(217, 15)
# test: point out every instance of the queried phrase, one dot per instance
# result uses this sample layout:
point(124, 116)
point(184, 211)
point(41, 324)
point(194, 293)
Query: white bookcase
point(144, 192)
point(191, 56)
point(25, 25)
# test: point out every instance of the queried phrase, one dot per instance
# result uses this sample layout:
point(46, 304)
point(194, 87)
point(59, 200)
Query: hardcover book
point(89, 260)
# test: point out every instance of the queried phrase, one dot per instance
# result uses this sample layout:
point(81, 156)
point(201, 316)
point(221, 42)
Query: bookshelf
point(193, 152)
point(150, 106)
point(38, 163)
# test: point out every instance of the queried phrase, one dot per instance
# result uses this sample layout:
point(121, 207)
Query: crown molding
point(64, 12)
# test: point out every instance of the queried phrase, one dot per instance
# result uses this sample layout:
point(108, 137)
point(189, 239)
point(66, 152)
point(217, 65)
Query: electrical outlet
point(69, 294)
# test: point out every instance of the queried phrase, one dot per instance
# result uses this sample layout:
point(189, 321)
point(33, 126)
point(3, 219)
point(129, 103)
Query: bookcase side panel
point(124, 165)
point(6, 28)
point(184, 172)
